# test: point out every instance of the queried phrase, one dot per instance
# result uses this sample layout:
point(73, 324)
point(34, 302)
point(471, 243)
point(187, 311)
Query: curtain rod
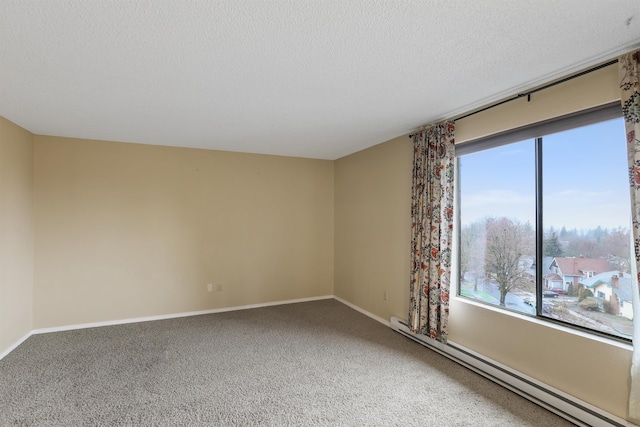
point(529, 93)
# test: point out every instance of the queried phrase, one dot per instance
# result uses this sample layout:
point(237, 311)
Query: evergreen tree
point(552, 246)
point(563, 232)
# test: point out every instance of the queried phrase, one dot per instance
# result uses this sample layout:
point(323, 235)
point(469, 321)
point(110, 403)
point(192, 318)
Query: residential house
point(566, 271)
point(552, 280)
point(615, 288)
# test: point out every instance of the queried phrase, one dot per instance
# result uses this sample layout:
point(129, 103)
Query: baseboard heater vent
point(556, 401)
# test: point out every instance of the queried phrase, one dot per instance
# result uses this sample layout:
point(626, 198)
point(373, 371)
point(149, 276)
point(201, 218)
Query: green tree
point(563, 232)
point(552, 246)
point(583, 293)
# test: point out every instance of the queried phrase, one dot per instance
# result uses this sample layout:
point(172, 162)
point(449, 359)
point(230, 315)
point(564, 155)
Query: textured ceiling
point(319, 79)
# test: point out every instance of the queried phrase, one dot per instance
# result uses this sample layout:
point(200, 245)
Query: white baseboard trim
point(174, 315)
point(365, 312)
point(569, 407)
point(15, 345)
point(158, 317)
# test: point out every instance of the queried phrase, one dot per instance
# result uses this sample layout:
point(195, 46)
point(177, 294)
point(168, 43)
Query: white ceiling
point(318, 79)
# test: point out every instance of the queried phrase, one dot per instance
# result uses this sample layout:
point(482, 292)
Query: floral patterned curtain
point(432, 230)
point(629, 66)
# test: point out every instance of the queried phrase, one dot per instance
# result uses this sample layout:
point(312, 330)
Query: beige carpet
point(316, 363)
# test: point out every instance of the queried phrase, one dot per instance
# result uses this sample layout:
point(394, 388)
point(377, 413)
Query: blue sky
point(585, 171)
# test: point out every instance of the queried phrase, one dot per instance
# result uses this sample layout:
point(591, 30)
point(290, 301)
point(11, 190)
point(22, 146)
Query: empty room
point(331, 212)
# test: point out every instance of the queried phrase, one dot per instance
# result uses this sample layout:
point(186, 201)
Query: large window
point(544, 222)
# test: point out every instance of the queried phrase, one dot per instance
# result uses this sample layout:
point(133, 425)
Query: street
point(512, 301)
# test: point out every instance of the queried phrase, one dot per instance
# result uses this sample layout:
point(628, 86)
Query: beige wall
point(597, 88)
point(126, 230)
point(16, 234)
point(372, 191)
point(373, 228)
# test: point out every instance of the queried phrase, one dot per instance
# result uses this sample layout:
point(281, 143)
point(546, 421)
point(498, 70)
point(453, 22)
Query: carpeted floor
point(315, 363)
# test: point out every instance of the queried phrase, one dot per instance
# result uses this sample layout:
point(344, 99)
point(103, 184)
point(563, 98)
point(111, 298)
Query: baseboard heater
point(556, 401)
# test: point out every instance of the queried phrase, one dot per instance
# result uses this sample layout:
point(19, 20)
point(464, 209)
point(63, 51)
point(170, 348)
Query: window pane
point(586, 222)
point(497, 217)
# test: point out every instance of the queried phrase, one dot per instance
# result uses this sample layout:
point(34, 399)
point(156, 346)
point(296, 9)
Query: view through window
point(580, 273)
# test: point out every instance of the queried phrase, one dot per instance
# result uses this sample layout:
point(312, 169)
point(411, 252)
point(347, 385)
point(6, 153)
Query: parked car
point(560, 291)
point(549, 294)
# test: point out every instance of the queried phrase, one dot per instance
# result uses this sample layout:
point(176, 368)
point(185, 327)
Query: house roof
point(319, 79)
point(623, 291)
point(553, 277)
point(576, 266)
point(546, 263)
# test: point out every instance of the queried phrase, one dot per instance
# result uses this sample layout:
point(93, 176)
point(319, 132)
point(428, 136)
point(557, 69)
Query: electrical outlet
point(218, 287)
point(209, 287)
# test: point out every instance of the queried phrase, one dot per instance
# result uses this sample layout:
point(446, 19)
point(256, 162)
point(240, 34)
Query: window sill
point(548, 324)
